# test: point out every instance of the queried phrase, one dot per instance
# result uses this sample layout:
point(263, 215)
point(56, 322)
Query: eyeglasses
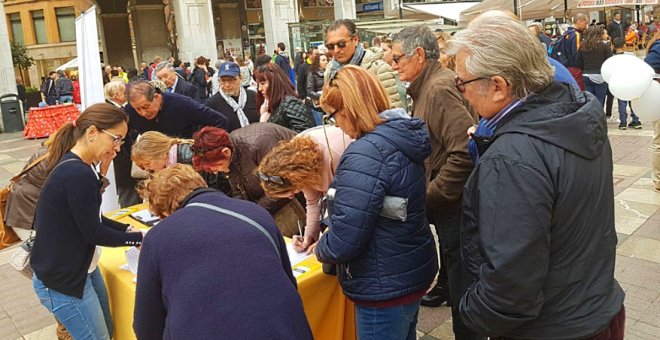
point(270, 179)
point(460, 83)
point(340, 44)
point(116, 139)
point(398, 57)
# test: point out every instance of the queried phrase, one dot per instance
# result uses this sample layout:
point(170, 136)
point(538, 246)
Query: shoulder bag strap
point(242, 218)
point(29, 167)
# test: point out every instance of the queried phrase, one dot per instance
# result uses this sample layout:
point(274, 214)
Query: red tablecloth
point(42, 122)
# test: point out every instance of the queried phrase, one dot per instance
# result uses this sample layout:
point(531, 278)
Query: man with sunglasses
point(441, 106)
point(344, 44)
point(537, 234)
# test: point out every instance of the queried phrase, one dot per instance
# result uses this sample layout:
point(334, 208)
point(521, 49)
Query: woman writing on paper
point(306, 164)
point(69, 226)
point(385, 253)
point(212, 266)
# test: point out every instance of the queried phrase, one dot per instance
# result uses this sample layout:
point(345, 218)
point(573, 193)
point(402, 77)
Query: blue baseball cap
point(229, 69)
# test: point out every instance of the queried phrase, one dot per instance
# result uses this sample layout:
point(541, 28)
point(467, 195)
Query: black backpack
point(559, 49)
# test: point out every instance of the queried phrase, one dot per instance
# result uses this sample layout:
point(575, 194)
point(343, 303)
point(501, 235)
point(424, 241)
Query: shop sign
point(607, 3)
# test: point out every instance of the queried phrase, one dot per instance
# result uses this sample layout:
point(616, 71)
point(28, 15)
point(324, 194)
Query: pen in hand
point(300, 237)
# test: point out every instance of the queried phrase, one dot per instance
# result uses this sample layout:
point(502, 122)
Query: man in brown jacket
point(437, 102)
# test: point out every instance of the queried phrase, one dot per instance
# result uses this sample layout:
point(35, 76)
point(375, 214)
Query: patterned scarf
point(238, 107)
point(357, 58)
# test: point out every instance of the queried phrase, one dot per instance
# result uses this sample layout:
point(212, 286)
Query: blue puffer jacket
point(381, 258)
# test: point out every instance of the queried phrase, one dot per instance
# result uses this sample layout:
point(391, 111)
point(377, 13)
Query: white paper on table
point(294, 256)
point(132, 258)
point(144, 216)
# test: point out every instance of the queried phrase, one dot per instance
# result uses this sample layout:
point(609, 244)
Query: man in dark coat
point(239, 105)
point(284, 62)
point(538, 236)
point(174, 82)
point(170, 113)
point(616, 27)
point(49, 89)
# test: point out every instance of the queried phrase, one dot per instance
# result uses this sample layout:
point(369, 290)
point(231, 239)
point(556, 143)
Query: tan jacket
point(373, 62)
point(437, 102)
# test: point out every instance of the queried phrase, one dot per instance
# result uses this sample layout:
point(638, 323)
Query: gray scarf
point(238, 107)
point(355, 60)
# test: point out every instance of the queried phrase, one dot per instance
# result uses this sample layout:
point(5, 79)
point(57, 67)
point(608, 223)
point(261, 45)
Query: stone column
point(345, 9)
point(7, 75)
point(117, 40)
point(277, 15)
point(151, 35)
point(195, 30)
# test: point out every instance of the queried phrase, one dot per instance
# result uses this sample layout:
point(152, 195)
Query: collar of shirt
point(492, 122)
point(176, 81)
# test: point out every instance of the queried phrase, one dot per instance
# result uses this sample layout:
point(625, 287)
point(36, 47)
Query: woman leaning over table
point(69, 225)
point(155, 151)
point(306, 163)
point(386, 257)
point(209, 274)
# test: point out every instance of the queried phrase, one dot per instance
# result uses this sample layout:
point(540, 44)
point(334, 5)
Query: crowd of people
point(485, 138)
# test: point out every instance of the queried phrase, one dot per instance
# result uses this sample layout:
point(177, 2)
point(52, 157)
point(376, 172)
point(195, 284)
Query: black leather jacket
point(315, 84)
point(292, 114)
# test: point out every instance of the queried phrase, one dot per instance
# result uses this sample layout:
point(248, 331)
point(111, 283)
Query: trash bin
point(12, 117)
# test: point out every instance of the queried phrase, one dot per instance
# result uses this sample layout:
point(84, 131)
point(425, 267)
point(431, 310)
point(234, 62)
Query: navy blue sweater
point(68, 227)
point(179, 116)
point(206, 275)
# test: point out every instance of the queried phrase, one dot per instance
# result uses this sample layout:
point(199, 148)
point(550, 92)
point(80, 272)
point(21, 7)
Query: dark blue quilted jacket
point(381, 258)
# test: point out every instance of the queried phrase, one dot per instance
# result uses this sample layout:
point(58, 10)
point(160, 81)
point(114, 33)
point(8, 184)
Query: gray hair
point(164, 66)
point(113, 87)
point(501, 45)
point(416, 36)
point(140, 88)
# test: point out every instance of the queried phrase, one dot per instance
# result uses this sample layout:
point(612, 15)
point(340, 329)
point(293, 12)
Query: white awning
point(449, 10)
point(73, 63)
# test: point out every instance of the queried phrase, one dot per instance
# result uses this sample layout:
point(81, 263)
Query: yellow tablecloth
point(331, 315)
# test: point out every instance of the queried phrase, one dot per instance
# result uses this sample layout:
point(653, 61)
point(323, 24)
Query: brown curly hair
point(297, 161)
point(166, 189)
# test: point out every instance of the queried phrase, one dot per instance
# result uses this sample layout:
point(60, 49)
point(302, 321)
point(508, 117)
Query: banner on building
point(607, 3)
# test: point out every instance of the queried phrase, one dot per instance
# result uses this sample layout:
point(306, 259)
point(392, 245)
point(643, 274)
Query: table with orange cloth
point(330, 314)
point(42, 122)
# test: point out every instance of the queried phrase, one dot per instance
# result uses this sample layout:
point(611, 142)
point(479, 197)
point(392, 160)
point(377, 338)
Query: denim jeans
point(598, 90)
point(318, 116)
point(86, 318)
point(448, 226)
point(66, 99)
point(623, 116)
point(395, 323)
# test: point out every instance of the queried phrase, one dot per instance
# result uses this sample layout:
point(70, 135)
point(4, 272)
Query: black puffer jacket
point(292, 114)
point(184, 155)
point(543, 257)
point(315, 84)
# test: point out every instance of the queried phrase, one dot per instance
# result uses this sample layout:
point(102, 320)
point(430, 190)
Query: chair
point(632, 46)
point(643, 42)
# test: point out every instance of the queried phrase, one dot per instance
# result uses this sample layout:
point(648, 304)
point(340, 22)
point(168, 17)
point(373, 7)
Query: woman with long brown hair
point(279, 101)
point(69, 225)
point(592, 54)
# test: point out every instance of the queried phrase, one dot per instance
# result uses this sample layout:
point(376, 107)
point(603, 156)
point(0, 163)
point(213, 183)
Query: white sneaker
point(614, 119)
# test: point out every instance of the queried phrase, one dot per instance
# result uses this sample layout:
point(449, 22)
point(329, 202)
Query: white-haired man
point(175, 83)
point(538, 235)
point(441, 106)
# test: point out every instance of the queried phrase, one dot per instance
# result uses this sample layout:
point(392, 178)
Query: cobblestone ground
point(637, 267)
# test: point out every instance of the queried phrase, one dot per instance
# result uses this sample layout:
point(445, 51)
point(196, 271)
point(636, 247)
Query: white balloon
point(630, 82)
point(647, 107)
point(616, 63)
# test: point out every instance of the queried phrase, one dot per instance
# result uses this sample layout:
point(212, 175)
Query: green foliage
point(20, 56)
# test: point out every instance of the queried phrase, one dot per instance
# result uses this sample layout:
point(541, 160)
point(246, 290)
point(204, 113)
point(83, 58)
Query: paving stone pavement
point(637, 211)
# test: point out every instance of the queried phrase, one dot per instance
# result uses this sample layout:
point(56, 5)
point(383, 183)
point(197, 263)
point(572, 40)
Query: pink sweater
point(338, 143)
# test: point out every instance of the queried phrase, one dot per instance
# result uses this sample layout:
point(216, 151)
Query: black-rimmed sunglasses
point(270, 179)
point(340, 44)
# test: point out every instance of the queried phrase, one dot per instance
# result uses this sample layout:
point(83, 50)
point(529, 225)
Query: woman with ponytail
point(69, 225)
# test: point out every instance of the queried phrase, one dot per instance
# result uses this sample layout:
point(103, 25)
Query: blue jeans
point(66, 99)
point(598, 90)
point(396, 323)
point(623, 115)
point(318, 116)
point(86, 318)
